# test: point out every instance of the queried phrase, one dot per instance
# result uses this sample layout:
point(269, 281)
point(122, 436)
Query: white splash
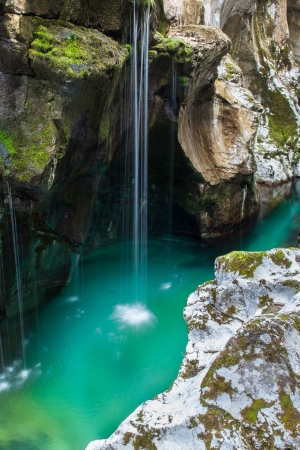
point(72, 299)
point(133, 315)
point(165, 286)
point(13, 377)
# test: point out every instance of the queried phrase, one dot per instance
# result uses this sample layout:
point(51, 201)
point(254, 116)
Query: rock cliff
point(264, 38)
point(223, 115)
point(238, 386)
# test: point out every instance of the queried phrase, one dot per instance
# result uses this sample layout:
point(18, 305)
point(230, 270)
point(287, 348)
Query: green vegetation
point(250, 412)
point(127, 437)
point(290, 416)
point(244, 263)
point(217, 386)
point(280, 259)
point(191, 369)
point(177, 48)
point(27, 153)
point(282, 120)
point(73, 52)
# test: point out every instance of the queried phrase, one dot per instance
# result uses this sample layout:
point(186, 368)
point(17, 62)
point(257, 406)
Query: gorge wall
point(232, 117)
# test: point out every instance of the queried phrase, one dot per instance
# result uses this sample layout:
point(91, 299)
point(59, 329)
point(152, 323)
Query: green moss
point(7, 141)
point(264, 301)
point(231, 68)
point(127, 437)
point(177, 48)
point(230, 310)
point(290, 416)
point(145, 3)
point(144, 440)
point(183, 81)
point(280, 259)
point(29, 152)
point(193, 422)
point(250, 412)
point(244, 263)
point(294, 284)
point(282, 120)
point(73, 52)
point(191, 369)
point(140, 416)
point(214, 421)
point(217, 386)
point(104, 127)
point(152, 54)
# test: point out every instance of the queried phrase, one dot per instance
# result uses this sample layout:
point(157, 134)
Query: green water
point(87, 367)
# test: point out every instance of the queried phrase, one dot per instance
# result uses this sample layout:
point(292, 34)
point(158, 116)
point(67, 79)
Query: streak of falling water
point(3, 292)
point(139, 80)
point(1, 355)
point(243, 202)
point(18, 273)
point(172, 141)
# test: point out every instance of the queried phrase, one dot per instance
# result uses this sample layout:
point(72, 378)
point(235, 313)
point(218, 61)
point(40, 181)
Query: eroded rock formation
point(238, 386)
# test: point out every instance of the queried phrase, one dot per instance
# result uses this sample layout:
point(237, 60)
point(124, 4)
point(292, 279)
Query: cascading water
point(135, 220)
point(18, 273)
point(139, 89)
point(172, 141)
point(243, 202)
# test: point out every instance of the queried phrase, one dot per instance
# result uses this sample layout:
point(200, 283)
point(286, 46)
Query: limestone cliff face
point(265, 44)
point(217, 129)
point(217, 124)
point(238, 387)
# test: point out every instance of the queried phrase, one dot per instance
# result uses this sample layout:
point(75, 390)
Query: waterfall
point(18, 272)
point(172, 140)
point(139, 89)
point(243, 202)
point(1, 355)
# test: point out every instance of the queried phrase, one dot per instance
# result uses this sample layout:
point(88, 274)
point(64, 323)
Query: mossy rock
point(243, 263)
point(63, 51)
point(176, 48)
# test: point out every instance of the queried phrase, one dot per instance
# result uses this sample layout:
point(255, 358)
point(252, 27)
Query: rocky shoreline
point(239, 384)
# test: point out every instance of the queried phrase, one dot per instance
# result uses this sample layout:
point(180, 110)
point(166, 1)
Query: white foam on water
point(4, 386)
point(165, 286)
point(133, 315)
point(72, 299)
point(24, 374)
point(14, 376)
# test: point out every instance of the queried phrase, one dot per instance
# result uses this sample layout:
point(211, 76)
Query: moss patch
point(244, 263)
point(290, 416)
point(280, 259)
point(250, 412)
point(73, 52)
point(177, 48)
point(191, 369)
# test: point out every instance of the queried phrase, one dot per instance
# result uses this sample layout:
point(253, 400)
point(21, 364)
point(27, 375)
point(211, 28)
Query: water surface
point(95, 352)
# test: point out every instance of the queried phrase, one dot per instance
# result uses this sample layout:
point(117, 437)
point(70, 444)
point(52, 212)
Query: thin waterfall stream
point(140, 82)
point(18, 273)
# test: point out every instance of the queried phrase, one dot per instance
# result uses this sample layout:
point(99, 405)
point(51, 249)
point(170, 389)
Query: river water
point(95, 352)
